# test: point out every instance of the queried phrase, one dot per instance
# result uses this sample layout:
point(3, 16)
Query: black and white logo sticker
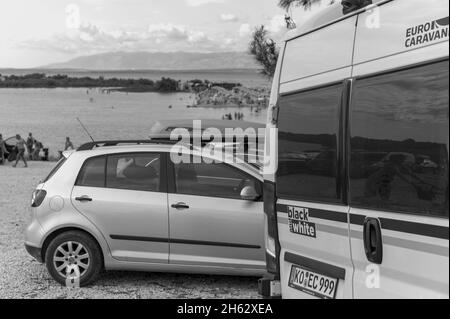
point(299, 222)
point(427, 33)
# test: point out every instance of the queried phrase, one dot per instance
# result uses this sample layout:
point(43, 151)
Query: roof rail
point(158, 141)
point(91, 145)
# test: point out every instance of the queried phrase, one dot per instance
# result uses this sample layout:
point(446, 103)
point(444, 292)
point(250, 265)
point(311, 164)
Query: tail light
point(38, 197)
point(272, 241)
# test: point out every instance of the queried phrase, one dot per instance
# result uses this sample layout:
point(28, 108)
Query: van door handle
point(83, 199)
point(180, 206)
point(373, 240)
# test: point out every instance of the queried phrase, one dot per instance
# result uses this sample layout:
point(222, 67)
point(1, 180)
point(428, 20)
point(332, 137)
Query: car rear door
point(210, 224)
point(124, 195)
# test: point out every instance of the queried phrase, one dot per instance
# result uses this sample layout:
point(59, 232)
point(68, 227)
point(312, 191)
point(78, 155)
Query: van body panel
point(316, 80)
point(414, 266)
point(387, 30)
point(310, 54)
point(406, 59)
point(330, 245)
point(271, 162)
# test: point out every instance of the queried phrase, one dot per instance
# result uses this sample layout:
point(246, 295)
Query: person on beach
point(2, 150)
point(30, 144)
point(20, 147)
point(38, 146)
point(68, 145)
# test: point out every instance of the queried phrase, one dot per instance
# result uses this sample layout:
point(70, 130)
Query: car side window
point(212, 180)
point(92, 174)
point(140, 172)
point(399, 141)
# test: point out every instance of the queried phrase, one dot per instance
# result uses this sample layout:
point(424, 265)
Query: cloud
point(175, 32)
point(90, 39)
point(198, 37)
point(196, 3)
point(277, 24)
point(276, 27)
point(228, 17)
point(230, 41)
point(244, 30)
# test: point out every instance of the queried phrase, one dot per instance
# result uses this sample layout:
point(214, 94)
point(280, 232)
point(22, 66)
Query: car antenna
point(85, 129)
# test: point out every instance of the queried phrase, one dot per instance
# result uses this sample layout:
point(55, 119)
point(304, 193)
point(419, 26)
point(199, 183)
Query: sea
point(51, 114)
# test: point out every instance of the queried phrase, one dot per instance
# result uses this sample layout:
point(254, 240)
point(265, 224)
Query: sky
point(36, 33)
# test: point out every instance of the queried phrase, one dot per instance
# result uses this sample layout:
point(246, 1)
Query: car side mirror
point(249, 193)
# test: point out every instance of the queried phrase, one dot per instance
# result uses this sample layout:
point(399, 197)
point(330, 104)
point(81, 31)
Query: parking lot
point(22, 277)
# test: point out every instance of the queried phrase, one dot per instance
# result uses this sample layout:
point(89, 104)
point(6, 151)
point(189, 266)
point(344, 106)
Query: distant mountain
point(160, 61)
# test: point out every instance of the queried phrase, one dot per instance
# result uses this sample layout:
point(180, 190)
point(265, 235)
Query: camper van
point(359, 109)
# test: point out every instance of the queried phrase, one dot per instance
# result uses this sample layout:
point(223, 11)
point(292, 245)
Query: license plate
point(313, 283)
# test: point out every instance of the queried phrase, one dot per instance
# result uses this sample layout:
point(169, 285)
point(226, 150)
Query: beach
point(23, 277)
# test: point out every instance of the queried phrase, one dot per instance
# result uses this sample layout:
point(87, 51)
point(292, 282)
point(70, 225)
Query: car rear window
point(55, 169)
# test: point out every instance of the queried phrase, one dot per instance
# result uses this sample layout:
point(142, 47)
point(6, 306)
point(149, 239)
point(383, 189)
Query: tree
point(287, 4)
point(166, 85)
point(264, 50)
point(347, 6)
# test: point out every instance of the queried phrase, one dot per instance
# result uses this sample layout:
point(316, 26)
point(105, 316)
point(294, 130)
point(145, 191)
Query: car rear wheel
point(73, 258)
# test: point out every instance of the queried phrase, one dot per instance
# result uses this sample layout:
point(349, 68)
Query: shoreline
point(128, 85)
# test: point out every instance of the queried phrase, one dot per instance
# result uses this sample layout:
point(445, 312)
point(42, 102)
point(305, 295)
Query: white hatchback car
point(125, 205)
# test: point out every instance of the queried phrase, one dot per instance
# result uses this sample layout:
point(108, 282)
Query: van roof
point(326, 16)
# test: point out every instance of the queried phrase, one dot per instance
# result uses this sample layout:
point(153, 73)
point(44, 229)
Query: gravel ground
point(22, 277)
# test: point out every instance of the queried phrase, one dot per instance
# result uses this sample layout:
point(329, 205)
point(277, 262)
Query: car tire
point(74, 249)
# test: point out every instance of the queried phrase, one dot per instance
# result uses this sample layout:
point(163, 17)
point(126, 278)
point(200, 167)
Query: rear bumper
point(34, 252)
point(269, 287)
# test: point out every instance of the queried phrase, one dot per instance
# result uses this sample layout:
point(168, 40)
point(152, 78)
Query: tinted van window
point(399, 141)
point(307, 150)
point(134, 172)
point(92, 173)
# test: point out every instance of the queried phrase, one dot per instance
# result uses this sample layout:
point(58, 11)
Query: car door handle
point(180, 206)
point(373, 240)
point(83, 199)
